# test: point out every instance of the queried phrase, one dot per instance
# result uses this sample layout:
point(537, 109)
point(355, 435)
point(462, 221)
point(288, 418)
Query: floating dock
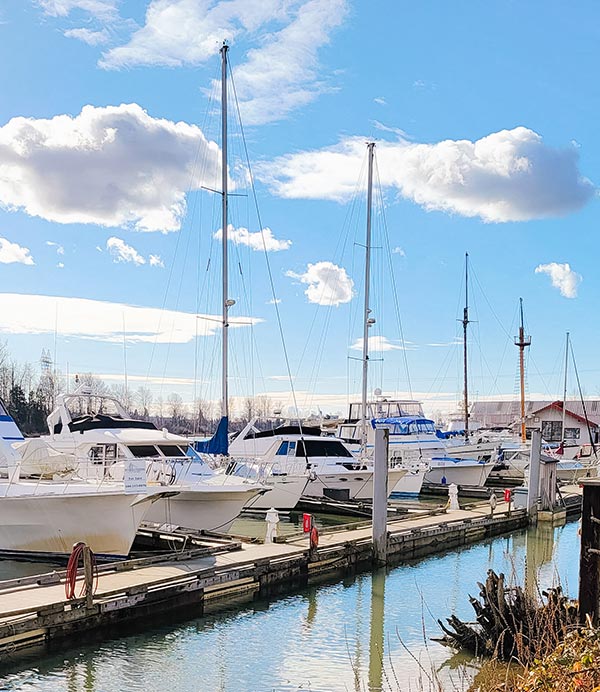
point(35, 612)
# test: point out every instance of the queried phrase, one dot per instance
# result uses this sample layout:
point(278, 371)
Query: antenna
point(522, 342)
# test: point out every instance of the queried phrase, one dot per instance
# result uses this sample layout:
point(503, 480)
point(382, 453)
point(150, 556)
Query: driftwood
point(511, 624)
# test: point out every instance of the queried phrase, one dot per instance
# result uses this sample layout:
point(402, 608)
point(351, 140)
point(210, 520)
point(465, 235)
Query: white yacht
point(48, 516)
point(414, 441)
point(294, 449)
point(415, 465)
point(97, 431)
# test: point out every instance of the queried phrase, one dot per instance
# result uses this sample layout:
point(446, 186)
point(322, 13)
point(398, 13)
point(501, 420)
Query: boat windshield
point(321, 448)
point(172, 450)
point(141, 451)
point(408, 426)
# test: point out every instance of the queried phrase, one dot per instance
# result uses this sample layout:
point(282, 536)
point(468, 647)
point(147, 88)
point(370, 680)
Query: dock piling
point(380, 495)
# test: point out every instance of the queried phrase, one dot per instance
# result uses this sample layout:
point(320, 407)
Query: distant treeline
point(30, 393)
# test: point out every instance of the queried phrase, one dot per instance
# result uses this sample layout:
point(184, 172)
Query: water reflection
point(376, 629)
point(366, 633)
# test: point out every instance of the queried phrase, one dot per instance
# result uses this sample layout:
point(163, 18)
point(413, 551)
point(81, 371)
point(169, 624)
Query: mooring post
point(533, 489)
point(380, 495)
point(589, 560)
point(88, 575)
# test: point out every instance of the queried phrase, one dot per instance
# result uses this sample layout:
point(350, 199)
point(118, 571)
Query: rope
point(73, 568)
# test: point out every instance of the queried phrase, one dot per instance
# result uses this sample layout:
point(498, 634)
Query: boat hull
point(200, 509)
point(446, 473)
point(51, 525)
point(285, 492)
point(411, 483)
point(358, 483)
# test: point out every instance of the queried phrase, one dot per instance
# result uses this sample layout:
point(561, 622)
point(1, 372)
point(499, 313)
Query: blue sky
point(483, 114)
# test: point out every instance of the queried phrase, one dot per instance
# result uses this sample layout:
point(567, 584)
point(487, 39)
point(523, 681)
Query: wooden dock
point(35, 611)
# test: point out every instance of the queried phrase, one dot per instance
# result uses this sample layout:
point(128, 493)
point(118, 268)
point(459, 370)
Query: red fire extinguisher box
point(306, 523)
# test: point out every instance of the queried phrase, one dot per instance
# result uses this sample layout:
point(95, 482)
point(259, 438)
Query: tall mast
point(465, 323)
point(564, 406)
point(368, 321)
point(226, 302)
point(522, 341)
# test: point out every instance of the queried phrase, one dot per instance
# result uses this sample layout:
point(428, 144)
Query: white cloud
point(445, 344)
point(155, 261)
point(60, 265)
point(283, 74)
point(398, 251)
point(277, 76)
point(99, 248)
point(59, 248)
point(509, 175)
point(562, 277)
point(121, 252)
point(379, 344)
point(274, 301)
point(380, 100)
point(101, 320)
point(101, 9)
point(328, 284)
point(112, 166)
point(92, 38)
point(11, 253)
point(259, 240)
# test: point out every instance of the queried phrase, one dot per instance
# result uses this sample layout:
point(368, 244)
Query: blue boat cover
point(400, 420)
point(218, 443)
point(449, 433)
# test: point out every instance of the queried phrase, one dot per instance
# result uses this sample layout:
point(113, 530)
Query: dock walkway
point(34, 610)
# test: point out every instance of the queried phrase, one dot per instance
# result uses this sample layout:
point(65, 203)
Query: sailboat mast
point(522, 341)
point(224, 266)
point(368, 321)
point(465, 323)
point(564, 406)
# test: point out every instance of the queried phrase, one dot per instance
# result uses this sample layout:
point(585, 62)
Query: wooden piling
point(589, 561)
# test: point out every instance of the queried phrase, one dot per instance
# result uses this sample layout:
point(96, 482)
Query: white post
point(533, 488)
point(453, 497)
point(380, 495)
point(272, 519)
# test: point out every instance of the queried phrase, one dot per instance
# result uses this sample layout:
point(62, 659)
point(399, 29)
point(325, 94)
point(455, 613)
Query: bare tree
point(124, 395)
point(143, 399)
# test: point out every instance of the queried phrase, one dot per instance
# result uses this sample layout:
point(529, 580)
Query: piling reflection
point(539, 551)
point(376, 638)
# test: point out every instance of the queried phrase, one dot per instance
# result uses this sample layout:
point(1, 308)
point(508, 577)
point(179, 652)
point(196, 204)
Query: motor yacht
point(334, 471)
point(98, 432)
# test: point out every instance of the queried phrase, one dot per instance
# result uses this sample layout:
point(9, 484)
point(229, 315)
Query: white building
point(545, 416)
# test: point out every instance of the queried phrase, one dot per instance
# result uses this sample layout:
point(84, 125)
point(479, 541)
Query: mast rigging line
point(194, 171)
point(587, 420)
point(269, 272)
point(393, 278)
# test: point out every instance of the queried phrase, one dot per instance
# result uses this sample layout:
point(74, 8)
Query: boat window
point(283, 448)
point(425, 426)
point(110, 452)
point(96, 454)
point(321, 448)
point(171, 450)
point(3, 411)
point(143, 451)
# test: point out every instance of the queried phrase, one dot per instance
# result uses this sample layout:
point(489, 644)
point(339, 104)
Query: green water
point(367, 633)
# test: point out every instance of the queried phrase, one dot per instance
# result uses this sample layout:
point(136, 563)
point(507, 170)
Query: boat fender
point(314, 538)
